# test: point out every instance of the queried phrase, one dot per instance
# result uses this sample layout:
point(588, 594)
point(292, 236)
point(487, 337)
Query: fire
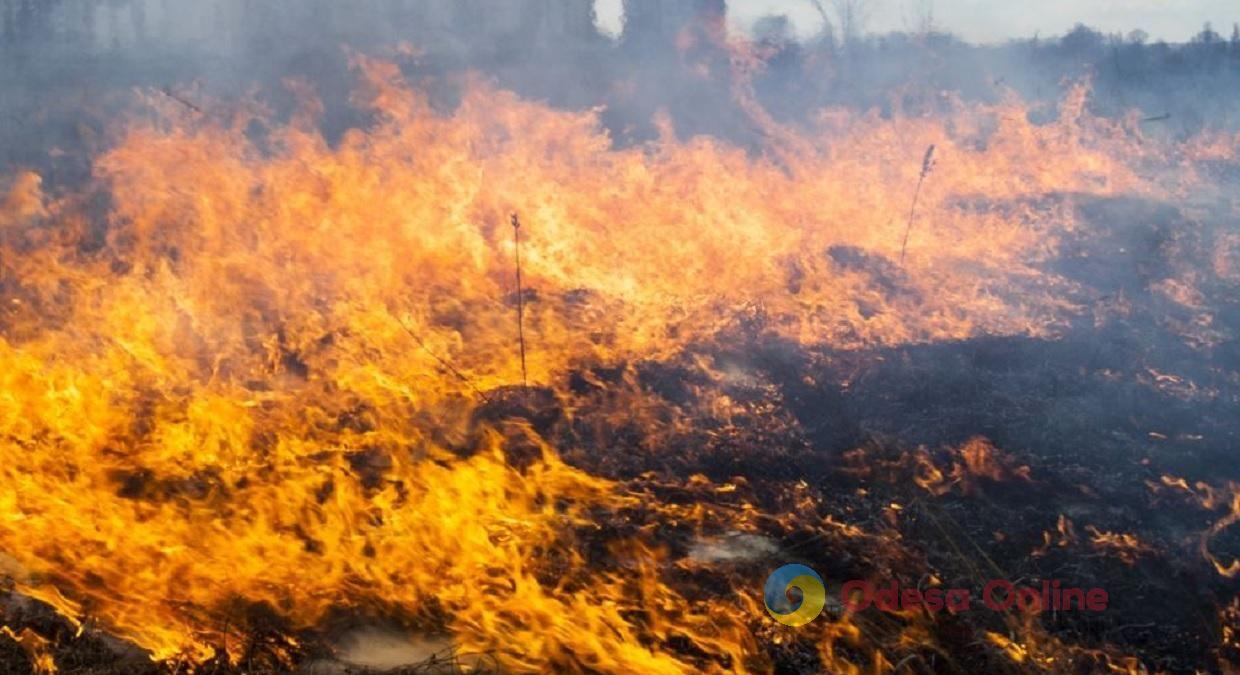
point(36, 646)
point(975, 460)
point(1123, 546)
point(1210, 498)
point(245, 369)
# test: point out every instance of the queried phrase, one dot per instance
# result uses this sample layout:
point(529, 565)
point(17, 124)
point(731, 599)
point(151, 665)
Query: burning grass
point(258, 389)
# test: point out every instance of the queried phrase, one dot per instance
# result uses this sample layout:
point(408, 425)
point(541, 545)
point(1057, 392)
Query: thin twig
point(516, 240)
point(167, 91)
point(927, 163)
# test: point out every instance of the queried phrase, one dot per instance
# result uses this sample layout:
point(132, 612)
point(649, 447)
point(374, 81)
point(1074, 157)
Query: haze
point(987, 21)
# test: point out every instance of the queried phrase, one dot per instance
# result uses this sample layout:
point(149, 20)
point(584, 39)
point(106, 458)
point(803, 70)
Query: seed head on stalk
point(516, 240)
point(927, 165)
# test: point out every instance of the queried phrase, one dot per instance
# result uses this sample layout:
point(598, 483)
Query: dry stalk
point(516, 240)
point(927, 164)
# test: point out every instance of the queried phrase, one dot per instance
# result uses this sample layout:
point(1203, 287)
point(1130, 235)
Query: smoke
point(66, 64)
point(653, 68)
point(384, 650)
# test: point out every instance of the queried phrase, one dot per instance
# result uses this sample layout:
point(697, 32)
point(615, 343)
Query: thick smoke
point(63, 60)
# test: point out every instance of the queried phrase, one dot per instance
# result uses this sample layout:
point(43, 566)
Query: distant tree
point(1235, 40)
point(775, 30)
point(1207, 36)
point(827, 32)
point(1138, 37)
point(1082, 41)
point(851, 15)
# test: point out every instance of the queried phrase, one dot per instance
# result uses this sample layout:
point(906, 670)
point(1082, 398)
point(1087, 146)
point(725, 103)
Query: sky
point(999, 20)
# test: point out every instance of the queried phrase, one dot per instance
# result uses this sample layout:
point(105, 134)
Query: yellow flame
point(252, 377)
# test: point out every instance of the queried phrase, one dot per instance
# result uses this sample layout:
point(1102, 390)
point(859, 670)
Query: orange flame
point(237, 390)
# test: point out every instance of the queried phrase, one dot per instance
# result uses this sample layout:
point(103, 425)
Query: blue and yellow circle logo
point(794, 595)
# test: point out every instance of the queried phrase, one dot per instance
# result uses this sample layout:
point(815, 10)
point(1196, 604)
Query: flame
point(1125, 546)
point(37, 647)
point(1064, 536)
point(977, 459)
point(1210, 498)
point(240, 370)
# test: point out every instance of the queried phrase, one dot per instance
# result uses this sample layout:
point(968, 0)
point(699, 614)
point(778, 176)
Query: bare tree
point(851, 16)
point(828, 29)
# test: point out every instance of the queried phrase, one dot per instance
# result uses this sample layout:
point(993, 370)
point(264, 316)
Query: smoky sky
point(997, 20)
